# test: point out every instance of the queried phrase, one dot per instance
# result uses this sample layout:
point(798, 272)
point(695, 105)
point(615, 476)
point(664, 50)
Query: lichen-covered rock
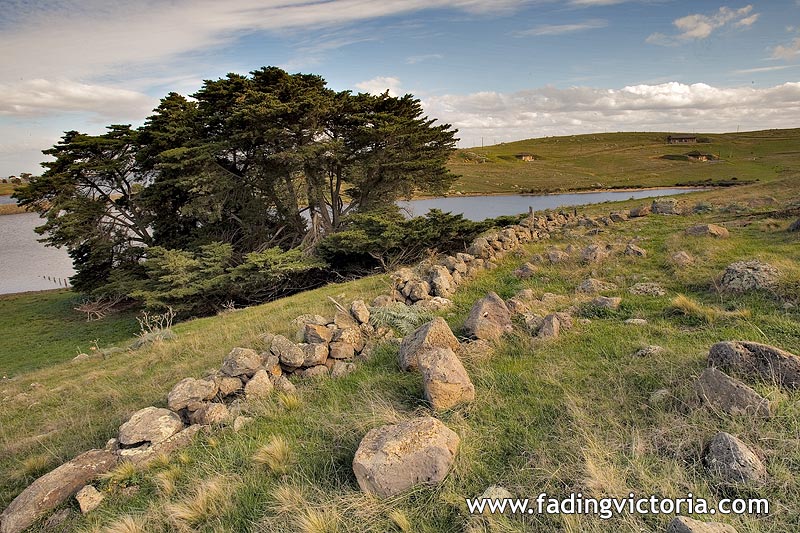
point(150, 425)
point(315, 354)
point(557, 256)
point(433, 334)
point(527, 270)
point(591, 286)
point(681, 259)
point(636, 251)
point(287, 352)
point(649, 351)
point(314, 372)
point(708, 230)
point(489, 318)
point(395, 458)
point(641, 211)
point(606, 302)
point(351, 336)
point(299, 324)
point(342, 350)
point(647, 289)
point(684, 524)
point(417, 289)
point(729, 459)
point(190, 390)
point(445, 380)
point(437, 303)
point(594, 253)
point(317, 334)
point(89, 499)
point(360, 311)
point(227, 385)
point(341, 369)
point(259, 387)
point(744, 276)
point(282, 384)
point(441, 282)
point(767, 362)
point(730, 395)
point(664, 206)
point(550, 328)
point(212, 414)
point(241, 362)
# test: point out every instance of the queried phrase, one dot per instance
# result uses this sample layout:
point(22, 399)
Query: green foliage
point(400, 317)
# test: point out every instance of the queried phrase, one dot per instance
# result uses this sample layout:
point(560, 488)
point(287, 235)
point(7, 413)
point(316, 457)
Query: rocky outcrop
point(394, 458)
point(434, 334)
point(488, 319)
point(745, 276)
point(445, 380)
point(730, 395)
point(150, 425)
point(732, 461)
point(708, 230)
point(761, 360)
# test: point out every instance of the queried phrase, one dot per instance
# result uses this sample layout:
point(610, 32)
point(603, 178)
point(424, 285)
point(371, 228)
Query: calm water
point(25, 263)
point(483, 207)
point(6, 199)
point(23, 260)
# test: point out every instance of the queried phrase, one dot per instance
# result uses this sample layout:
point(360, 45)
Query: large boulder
point(287, 352)
point(730, 395)
point(150, 425)
point(489, 318)
point(54, 488)
point(708, 230)
point(729, 459)
point(189, 392)
point(394, 458)
point(744, 276)
point(762, 360)
point(434, 334)
point(445, 381)
point(241, 362)
point(315, 354)
point(664, 206)
point(259, 387)
point(641, 211)
point(441, 281)
point(684, 524)
point(144, 455)
point(89, 499)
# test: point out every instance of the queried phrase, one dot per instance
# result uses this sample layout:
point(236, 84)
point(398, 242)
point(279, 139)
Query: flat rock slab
point(445, 380)
point(731, 460)
point(149, 425)
point(392, 459)
point(730, 395)
point(708, 230)
point(145, 454)
point(489, 318)
point(767, 362)
point(433, 334)
point(54, 488)
point(684, 524)
point(745, 276)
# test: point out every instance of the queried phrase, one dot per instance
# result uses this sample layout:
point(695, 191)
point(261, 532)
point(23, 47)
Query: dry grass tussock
point(687, 307)
point(276, 455)
point(210, 499)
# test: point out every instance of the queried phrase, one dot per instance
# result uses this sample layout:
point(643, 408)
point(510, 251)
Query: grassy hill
point(562, 415)
point(623, 160)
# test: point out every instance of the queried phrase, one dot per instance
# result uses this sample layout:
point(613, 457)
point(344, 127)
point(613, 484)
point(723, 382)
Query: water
point(24, 260)
point(6, 199)
point(483, 207)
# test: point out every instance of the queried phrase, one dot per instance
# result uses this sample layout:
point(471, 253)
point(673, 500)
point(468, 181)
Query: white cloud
point(787, 51)
point(39, 96)
point(596, 2)
point(663, 107)
point(763, 69)
point(699, 26)
point(380, 85)
point(413, 60)
point(560, 29)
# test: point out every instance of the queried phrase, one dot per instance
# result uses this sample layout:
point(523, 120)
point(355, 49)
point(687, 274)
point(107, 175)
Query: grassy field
point(564, 415)
point(623, 160)
point(6, 188)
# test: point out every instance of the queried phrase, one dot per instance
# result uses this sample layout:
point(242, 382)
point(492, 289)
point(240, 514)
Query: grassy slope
point(42, 328)
point(6, 188)
point(622, 160)
point(570, 414)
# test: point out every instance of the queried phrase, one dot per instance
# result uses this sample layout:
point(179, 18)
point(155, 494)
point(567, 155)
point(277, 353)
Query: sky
point(497, 70)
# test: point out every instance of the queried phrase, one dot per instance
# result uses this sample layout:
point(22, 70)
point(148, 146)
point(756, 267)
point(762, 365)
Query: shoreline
point(556, 193)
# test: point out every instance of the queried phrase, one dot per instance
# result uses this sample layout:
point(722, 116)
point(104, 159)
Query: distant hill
point(614, 160)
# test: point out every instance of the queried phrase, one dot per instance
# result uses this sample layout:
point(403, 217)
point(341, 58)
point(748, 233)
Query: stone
point(517, 306)
point(489, 318)
point(641, 211)
point(649, 351)
point(664, 206)
point(259, 387)
point(767, 362)
point(619, 217)
point(214, 414)
point(557, 256)
point(54, 488)
point(319, 371)
point(145, 454)
point(352, 336)
point(272, 364)
point(343, 319)
point(240, 422)
point(480, 248)
point(606, 302)
point(317, 334)
point(594, 253)
point(684, 524)
point(300, 323)
point(404, 275)
point(550, 327)
point(282, 384)
point(395, 458)
point(647, 289)
point(633, 250)
point(444, 379)
point(795, 226)
point(342, 350)
point(745, 276)
point(441, 282)
point(730, 395)
point(314, 354)
point(189, 390)
point(360, 311)
point(527, 270)
point(381, 301)
point(729, 459)
point(682, 259)
point(288, 353)
point(708, 230)
point(227, 385)
point(433, 334)
point(341, 369)
point(417, 290)
point(89, 499)
point(150, 425)
point(636, 322)
point(241, 362)
point(437, 303)
point(591, 286)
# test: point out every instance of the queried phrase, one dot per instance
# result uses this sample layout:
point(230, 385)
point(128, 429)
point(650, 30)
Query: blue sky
point(502, 70)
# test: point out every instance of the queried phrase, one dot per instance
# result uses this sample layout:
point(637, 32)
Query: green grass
point(562, 415)
point(6, 188)
point(42, 328)
point(617, 160)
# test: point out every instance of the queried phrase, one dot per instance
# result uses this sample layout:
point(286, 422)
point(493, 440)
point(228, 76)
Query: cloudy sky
point(499, 70)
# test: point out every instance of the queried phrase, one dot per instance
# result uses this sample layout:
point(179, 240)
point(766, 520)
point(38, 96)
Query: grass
point(555, 415)
point(7, 188)
point(618, 160)
point(11, 209)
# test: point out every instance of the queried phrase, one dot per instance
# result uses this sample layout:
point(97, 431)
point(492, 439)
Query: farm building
point(681, 139)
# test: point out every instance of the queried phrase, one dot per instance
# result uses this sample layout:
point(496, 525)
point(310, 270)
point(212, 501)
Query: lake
point(6, 199)
point(26, 263)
